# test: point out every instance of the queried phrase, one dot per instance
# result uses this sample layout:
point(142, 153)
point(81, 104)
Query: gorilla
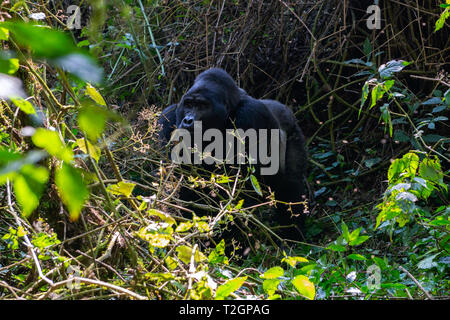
point(216, 102)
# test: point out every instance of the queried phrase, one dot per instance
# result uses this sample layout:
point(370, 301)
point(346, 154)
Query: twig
point(94, 282)
point(25, 236)
point(416, 282)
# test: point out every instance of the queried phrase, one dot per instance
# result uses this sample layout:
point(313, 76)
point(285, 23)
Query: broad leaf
point(95, 95)
point(29, 186)
point(122, 188)
point(273, 273)
point(72, 189)
point(23, 105)
point(229, 287)
point(51, 142)
point(93, 151)
point(185, 253)
point(304, 286)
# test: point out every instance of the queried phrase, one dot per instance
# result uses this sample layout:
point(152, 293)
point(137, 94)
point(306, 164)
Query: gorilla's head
point(210, 100)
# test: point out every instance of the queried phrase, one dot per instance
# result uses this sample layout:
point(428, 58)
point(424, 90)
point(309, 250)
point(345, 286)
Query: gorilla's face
point(210, 100)
point(200, 106)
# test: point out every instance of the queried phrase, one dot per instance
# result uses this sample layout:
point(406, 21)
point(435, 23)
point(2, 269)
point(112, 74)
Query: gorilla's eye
point(202, 104)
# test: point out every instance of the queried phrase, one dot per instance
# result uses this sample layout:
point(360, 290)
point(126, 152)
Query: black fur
point(216, 100)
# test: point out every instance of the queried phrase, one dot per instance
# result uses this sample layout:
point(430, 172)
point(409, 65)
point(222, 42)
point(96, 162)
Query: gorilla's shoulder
point(252, 113)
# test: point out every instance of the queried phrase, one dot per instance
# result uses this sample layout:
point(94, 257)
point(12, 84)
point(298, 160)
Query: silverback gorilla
point(217, 103)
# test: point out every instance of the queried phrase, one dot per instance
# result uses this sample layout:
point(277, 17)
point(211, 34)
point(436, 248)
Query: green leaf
point(218, 254)
point(345, 232)
point(72, 189)
point(43, 41)
point(304, 286)
point(29, 186)
point(364, 96)
point(94, 151)
point(23, 105)
point(51, 142)
point(8, 156)
point(354, 235)
point(12, 163)
point(9, 66)
point(428, 262)
point(441, 21)
point(337, 247)
point(399, 286)
point(95, 95)
point(229, 287)
point(92, 120)
point(388, 85)
point(273, 273)
point(255, 185)
point(367, 48)
point(400, 135)
point(355, 256)
point(123, 188)
point(432, 101)
point(359, 240)
point(377, 93)
point(431, 170)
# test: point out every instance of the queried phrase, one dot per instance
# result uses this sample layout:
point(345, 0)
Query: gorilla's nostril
point(188, 121)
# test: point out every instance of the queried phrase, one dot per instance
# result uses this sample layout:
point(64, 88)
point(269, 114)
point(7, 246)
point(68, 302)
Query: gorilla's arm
point(167, 122)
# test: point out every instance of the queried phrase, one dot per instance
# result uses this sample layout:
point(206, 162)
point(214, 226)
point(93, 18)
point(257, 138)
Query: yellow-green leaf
point(23, 105)
point(4, 34)
point(273, 273)
point(121, 188)
point(159, 276)
point(292, 261)
point(51, 142)
point(185, 254)
point(155, 239)
point(304, 286)
point(184, 226)
point(270, 286)
point(229, 287)
point(255, 185)
point(92, 120)
point(162, 215)
point(94, 151)
point(171, 263)
point(95, 95)
point(9, 66)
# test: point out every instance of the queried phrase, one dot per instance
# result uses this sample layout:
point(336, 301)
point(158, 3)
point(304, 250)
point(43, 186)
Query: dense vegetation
point(89, 206)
